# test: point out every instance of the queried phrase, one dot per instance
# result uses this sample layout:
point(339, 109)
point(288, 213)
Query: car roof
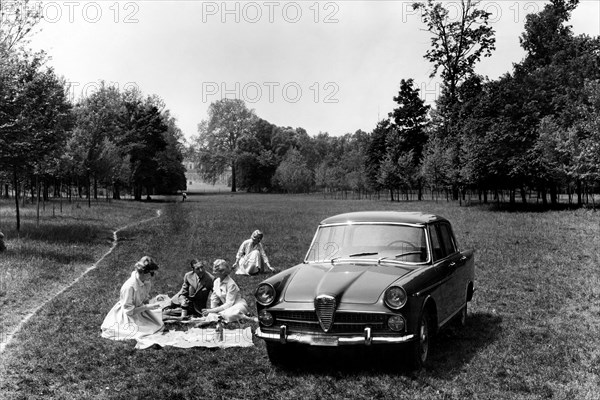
point(383, 216)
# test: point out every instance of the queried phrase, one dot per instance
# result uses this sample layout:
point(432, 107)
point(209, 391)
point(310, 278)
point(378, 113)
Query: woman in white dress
point(132, 317)
point(251, 257)
point(226, 299)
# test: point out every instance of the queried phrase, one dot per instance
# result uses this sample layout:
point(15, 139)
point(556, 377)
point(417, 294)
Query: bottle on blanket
point(219, 329)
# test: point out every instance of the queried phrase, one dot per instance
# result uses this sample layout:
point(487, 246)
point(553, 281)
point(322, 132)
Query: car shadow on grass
point(450, 350)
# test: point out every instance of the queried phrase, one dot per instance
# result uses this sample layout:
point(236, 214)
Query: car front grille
point(344, 322)
point(325, 309)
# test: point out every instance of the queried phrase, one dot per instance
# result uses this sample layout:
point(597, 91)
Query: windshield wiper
point(408, 253)
point(362, 254)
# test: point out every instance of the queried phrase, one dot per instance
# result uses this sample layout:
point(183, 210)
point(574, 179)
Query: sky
point(325, 66)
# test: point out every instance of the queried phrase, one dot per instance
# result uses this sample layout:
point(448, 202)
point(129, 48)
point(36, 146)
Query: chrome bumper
point(331, 340)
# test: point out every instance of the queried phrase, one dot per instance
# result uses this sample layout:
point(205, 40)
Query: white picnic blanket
point(198, 337)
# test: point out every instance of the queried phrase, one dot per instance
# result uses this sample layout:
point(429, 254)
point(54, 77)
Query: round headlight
point(265, 294)
point(265, 318)
point(397, 323)
point(395, 297)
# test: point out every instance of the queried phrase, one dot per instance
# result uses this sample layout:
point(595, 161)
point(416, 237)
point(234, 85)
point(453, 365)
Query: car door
point(454, 289)
point(441, 262)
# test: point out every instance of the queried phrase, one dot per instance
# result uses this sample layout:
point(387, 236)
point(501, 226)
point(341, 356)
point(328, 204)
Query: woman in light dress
point(251, 257)
point(132, 317)
point(226, 299)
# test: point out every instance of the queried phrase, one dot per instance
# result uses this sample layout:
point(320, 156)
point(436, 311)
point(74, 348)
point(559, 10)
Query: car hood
point(359, 283)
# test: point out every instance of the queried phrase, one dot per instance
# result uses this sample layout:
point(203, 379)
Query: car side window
point(436, 245)
point(447, 239)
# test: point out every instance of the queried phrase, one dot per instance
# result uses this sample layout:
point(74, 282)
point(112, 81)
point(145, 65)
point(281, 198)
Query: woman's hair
point(220, 261)
point(257, 234)
point(146, 265)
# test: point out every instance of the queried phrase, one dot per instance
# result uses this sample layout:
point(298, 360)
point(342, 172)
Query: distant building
point(193, 175)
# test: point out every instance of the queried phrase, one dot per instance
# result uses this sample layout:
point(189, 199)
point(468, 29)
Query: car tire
point(419, 349)
point(281, 354)
point(461, 319)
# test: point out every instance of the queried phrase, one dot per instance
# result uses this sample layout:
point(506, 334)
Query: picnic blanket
point(198, 337)
point(195, 336)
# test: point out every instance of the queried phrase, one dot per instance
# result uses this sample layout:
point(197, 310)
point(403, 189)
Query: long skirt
point(250, 264)
point(118, 325)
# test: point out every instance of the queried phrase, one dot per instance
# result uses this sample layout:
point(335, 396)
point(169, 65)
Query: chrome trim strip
point(302, 321)
point(416, 225)
point(427, 289)
point(313, 340)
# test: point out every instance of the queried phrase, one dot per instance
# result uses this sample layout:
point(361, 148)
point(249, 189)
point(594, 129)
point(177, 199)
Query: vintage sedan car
point(369, 279)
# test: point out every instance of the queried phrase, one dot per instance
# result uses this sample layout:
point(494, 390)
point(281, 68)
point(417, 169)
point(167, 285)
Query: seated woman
point(132, 317)
point(193, 296)
point(251, 257)
point(226, 299)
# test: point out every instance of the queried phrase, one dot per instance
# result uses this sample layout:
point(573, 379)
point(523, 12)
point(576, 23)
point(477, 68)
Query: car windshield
point(403, 243)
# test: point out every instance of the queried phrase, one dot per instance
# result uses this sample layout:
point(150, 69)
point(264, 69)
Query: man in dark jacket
point(195, 291)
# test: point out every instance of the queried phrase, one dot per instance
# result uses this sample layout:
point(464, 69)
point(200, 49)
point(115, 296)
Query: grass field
point(532, 333)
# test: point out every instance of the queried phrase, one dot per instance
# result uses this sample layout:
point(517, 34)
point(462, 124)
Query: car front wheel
point(420, 347)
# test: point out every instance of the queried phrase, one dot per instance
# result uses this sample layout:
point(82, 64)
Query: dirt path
point(10, 335)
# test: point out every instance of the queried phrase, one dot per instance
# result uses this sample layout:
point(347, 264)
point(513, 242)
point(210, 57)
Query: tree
point(228, 121)
point(144, 141)
point(456, 44)
point(546, 33)
point(376, 152)
point(17, 20)
point(35, 116)
point(99, 123)
point(292, 174)
point(410, 119)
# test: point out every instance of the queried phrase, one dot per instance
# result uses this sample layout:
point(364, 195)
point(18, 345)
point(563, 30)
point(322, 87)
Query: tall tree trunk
point(233, 180)
point(33, 187)
point(116, 192)
point(523, 195)
point(95, 188)
point(16, 186)
point(45, 190)
point(544, 193)
point(553, 195)
point(37, 189)
point(89, 190)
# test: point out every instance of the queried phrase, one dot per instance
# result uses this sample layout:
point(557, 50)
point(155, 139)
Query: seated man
point(251, 257)
point(194, 293)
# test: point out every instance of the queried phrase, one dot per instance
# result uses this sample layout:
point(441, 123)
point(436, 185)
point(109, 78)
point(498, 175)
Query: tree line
point(50, 145)
point(534, 129)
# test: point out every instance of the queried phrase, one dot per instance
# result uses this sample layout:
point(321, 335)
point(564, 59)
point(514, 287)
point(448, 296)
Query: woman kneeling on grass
point(251, 257)
point(226, 299)
point(132, 317)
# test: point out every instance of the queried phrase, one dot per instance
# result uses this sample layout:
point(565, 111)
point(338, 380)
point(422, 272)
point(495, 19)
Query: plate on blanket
point(162, 299)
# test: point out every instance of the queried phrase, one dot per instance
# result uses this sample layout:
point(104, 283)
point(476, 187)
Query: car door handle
point(460, 261)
